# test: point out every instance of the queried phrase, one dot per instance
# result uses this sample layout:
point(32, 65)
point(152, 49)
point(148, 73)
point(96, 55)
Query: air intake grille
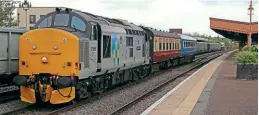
point(84, 53)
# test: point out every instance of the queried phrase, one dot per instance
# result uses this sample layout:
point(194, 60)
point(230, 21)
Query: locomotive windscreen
point(63, 20)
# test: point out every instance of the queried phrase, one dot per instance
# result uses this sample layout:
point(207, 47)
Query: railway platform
point(212, 90)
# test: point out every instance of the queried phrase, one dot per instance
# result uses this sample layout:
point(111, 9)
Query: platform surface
point(224, 95)
point(193, 95)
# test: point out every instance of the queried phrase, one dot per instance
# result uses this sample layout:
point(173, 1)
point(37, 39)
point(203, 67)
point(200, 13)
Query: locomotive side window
point(78, 23)
point(143, 49)
point(106, 46)
point(61, 20)
point(46, 22)
point(129, 41)
point(131, 52)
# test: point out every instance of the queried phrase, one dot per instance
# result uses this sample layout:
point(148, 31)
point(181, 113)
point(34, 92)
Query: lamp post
point(250, 13)
point(26, 7)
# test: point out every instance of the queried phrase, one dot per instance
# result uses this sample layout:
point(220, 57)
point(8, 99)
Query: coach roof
point(185, 37)
point(162, 33)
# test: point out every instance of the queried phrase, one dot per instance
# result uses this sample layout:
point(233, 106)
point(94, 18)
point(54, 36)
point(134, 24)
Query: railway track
point(59, 109)
point(8, 96)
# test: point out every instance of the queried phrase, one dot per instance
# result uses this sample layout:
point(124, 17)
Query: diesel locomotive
point(72, 54)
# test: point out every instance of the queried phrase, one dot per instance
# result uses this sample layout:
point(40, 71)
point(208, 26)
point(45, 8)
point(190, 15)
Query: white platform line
point(171, 91)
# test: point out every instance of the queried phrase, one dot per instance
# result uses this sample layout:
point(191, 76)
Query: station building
point(27, 19)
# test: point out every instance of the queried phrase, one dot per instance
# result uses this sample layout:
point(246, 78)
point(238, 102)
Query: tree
point(6, 13)
point(2, 14)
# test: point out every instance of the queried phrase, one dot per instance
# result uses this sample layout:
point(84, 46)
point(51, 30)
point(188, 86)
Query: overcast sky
point(190, 15)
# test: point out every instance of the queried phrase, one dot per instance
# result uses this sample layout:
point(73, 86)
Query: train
point(71, 55)
point(9, 56)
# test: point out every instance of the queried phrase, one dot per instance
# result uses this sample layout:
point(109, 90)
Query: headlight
point(34, 47)
point(55, 47)
point(44, 59)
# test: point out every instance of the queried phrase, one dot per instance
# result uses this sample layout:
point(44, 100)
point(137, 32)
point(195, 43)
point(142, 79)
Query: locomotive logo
point(115, 49)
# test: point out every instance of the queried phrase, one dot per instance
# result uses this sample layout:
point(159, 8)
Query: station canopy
point(235, 30)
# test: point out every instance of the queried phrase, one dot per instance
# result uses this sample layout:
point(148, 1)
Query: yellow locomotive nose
point(49, 51)
point(44, 56)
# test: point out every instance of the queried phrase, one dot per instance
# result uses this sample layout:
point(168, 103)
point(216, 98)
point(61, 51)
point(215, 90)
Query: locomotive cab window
point(78, 24)
point(61, 20)
point(46, 22)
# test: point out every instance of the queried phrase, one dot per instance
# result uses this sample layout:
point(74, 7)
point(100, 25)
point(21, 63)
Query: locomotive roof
point(162, 33)
point(185, 37)
point(108, 21)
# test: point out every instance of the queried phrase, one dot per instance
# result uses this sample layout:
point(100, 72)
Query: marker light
point(44, 59)
point(34, 47)
point(55, 47)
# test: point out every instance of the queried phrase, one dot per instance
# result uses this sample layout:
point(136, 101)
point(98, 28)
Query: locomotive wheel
point(134, 75)
point(72, 102)
point(81, 91)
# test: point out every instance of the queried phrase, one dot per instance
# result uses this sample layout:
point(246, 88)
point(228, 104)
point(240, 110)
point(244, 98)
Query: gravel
point(40, 109)
point(142, 105)
point(8, 88)
point(117, 99)
point(12, 105)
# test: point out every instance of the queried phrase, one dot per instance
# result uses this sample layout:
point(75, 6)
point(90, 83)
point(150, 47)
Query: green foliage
point(250, 56)
point(245, 48)
point(6, 13)
point(253, 48)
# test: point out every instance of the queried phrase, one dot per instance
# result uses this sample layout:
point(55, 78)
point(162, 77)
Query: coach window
point(61, 20)
point(163, 46)
point(78, 23)
point(46, 22)
point(160, 46)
